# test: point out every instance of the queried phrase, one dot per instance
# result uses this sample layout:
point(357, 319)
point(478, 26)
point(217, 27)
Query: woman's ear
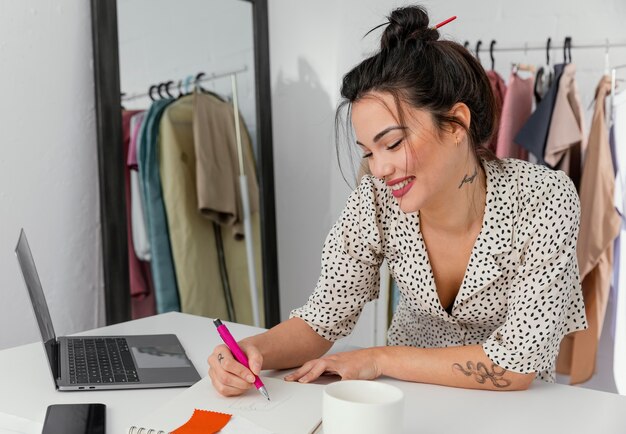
point(461, 112)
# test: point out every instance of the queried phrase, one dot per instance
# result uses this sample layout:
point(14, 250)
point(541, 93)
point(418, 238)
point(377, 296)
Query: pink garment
point(142, 301)
point(516, 110)
point(499, 92)
point(135, 125)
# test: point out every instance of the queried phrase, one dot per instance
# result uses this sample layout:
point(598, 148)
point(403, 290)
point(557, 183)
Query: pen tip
point(264, 392)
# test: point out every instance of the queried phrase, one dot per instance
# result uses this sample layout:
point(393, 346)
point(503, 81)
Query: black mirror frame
point(111, 161)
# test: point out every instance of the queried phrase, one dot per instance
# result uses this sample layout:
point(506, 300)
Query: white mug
point(363, 407)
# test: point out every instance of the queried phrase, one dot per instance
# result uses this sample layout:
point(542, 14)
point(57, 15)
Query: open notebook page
point(294, 408)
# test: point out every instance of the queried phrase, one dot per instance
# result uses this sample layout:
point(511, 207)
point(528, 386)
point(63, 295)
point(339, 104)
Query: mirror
point(176, 229)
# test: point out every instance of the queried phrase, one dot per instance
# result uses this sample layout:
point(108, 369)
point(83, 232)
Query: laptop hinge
point(57, 356)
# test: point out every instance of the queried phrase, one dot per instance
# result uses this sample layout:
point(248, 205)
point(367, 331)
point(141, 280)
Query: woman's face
point(420, 165)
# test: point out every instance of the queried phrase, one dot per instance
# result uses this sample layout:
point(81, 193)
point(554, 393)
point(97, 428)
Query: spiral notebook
point(294, 409)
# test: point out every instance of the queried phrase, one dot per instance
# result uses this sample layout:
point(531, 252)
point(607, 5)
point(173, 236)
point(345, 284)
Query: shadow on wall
point(303, 159)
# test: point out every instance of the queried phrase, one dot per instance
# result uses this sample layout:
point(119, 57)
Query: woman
point(483, 251)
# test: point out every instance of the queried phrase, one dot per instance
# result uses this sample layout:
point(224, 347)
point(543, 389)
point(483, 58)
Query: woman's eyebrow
point(379, 136)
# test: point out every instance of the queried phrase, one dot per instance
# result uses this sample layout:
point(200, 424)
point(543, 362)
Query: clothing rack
point(243, 181)
point(557, 47)
point(245, 199)
point(188, 80)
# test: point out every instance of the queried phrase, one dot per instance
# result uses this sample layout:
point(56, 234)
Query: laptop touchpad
point(159, 356)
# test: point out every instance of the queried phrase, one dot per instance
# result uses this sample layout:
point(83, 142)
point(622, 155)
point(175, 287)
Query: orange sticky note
point(204, 422)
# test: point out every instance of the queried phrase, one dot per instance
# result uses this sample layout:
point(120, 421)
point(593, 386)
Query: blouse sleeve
point(349, 276)
point(545, 300)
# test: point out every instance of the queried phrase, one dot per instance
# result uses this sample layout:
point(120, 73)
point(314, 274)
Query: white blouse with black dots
point(521, 291)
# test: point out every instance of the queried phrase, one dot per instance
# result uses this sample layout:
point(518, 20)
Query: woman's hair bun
point(407, 24)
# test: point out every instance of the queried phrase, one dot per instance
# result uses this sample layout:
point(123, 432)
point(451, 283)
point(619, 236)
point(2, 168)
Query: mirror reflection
point(192, 194)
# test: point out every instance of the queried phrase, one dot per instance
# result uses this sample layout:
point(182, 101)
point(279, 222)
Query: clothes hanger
point(524, 66)
point(550, 71)
point(477, 53)
point(203, 90)
point(150, 90)
point(166, 86)
point(538, 81)
point(493, 61)
point(543, 74)
point(188, 81)
point(197, 81)
point(567, 50)
point(466, 45)
point(160, 89)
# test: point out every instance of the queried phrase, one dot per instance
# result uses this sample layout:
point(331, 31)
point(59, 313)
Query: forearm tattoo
point(469, 179)
point(482, 374)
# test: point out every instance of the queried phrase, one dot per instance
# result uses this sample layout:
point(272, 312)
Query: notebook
point(294, 409)
point(104, 362)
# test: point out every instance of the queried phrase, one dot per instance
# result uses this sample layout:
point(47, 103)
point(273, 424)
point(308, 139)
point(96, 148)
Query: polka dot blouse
point(521, 290)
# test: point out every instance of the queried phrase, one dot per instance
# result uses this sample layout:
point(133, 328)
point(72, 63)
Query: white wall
point(48, 164)
point(161, 40)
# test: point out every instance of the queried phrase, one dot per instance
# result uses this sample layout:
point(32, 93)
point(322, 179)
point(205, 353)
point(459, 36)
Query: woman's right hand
point(229, 377)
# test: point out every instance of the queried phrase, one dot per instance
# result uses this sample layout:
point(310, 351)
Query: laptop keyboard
point(101, 360)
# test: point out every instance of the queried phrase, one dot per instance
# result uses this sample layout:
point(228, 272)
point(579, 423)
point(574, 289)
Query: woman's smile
point(401, 186)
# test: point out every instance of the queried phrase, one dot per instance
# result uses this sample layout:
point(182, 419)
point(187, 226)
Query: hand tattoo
point(469, 179)
point(481, 373)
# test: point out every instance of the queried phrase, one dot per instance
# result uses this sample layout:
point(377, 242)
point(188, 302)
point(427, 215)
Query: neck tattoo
point(469, 179)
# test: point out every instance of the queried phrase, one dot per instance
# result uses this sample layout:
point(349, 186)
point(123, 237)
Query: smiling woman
point(483, 250)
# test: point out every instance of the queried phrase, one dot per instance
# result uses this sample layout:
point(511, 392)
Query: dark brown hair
point(417, 68)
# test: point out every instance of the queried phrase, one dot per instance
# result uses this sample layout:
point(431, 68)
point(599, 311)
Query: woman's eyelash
point(392, 146)
point(395, 144)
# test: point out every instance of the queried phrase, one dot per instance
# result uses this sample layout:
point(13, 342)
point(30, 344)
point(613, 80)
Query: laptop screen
point(35, 291)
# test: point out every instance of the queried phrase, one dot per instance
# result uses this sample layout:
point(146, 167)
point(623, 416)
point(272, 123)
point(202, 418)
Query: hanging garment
point(142, 301)
point(141, 241)
point(599, 226)
point(195, 243)
point(534, 134)
point(219, 195)
point(619, 141)
point(516, 109)
point(566, 144)
point(498, 88)
point(162, 264)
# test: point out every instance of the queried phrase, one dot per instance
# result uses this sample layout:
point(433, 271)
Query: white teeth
point(402, 184)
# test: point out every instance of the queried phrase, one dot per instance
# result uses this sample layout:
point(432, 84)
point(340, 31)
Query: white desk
point(26, 389)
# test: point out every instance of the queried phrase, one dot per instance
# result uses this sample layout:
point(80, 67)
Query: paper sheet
point(241, 425)
point(294, 408)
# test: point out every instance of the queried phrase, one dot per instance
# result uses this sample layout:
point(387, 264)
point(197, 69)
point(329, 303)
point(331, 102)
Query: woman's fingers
point(302, 370)
point(316, 370)
point(225, 389)
point(255, 359)
point(233, 367)
point(311, 370)
point(218, 353)
point(229, 377)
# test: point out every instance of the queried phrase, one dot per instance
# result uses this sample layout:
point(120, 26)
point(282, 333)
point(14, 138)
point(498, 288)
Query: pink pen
point(239, 355)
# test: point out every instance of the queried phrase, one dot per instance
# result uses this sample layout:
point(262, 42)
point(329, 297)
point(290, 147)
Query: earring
point(456, 140)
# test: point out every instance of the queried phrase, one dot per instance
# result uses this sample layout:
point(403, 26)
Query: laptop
point(104, 362)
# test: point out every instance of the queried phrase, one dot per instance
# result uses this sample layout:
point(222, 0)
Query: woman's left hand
point(351, 365)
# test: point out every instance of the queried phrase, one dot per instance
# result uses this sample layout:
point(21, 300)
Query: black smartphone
point(75, 419)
